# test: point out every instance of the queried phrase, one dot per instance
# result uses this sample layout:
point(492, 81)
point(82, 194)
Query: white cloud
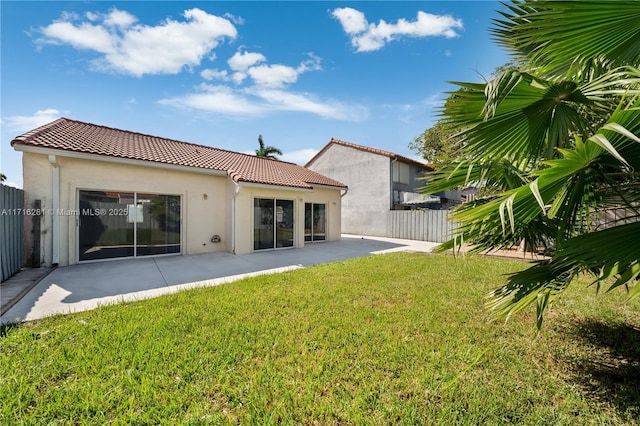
point(435, 100)
point(23, 123)
point(119, 18)
point(214, 74)
point(139, 49)
point(311, 64)
point(218, 99)
point(367, 37)
point(92, 16)
point(241, 61)
point(238, 20)
point(83, 36)
point(256, 101)
point(238, 77)
point(353, 21)
point(287, 101)
point(69, 16)
point(264, 92)
point(279, 75)
point(448, 53)
point(273, 75)
point(301, 156)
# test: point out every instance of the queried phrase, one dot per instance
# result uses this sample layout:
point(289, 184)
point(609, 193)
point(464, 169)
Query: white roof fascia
point(319, 185)
point(271, 186)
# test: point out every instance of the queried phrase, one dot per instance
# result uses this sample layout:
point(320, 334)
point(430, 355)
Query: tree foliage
point(555, 140)
point(267, 151)
point(440, 144)
point(437, 145)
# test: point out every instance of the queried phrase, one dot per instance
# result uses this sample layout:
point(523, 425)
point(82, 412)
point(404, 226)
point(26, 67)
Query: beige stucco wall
point(244, 212)
point(202, 217)
point(36, 171)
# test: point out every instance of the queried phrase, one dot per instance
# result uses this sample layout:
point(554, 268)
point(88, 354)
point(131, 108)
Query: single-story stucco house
point(106, 193)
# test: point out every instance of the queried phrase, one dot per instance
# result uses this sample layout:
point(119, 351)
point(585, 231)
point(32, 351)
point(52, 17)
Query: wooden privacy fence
point(12, 229)
point(423, 225)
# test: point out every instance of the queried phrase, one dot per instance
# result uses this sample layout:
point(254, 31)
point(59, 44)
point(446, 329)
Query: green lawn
point(398, 338)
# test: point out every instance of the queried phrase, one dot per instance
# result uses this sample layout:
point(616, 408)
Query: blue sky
point(221, 73)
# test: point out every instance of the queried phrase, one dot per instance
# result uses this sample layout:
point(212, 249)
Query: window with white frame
point(400, 172)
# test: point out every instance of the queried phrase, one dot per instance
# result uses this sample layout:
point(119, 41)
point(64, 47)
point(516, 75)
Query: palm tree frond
point(561, 35)
point(517, 114)
point(267, 151)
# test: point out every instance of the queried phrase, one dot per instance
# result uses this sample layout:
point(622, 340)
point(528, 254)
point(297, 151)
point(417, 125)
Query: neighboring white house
point(108, 193)
point(379, 182)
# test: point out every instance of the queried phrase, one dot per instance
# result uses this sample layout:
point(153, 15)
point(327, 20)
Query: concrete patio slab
point(85, 286)
point(17, 286)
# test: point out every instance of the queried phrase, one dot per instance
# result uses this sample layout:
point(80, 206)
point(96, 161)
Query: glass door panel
point(308, 221)
point(263, 220)
point(104, 229)
point(319, 222)
point(314, 222)
point(284, 223)
point(157, 224)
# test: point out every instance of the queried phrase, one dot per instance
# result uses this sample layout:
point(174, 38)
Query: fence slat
point(423, 225)
point(12, 230)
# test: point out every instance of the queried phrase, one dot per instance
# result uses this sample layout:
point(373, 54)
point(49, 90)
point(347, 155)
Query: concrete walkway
point(17, 286)
point(85, 286)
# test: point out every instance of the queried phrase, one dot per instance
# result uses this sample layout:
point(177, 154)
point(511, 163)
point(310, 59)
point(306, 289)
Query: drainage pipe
point(233, 216)
point(55, 200)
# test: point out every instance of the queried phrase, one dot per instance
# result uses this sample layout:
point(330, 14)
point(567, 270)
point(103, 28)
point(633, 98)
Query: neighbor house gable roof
point(391, 155)
point(68, 135)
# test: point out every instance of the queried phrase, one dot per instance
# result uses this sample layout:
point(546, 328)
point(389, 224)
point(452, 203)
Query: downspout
point(55, 231)
point(392, 201)
point(233, 216)
point(341, 197)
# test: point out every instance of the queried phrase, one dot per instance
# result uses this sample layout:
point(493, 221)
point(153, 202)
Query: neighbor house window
point(400, 173)
point(272, 223)
point(127, 224)
point(315, 222)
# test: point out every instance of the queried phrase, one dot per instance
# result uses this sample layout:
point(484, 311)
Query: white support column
point(233, 217)
point(55, 231)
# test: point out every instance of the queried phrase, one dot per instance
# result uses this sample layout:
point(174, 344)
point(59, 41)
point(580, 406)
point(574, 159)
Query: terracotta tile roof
point(76, 136)
point(391, 155)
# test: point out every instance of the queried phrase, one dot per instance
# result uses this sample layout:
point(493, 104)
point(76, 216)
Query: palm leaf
point(517, 114)
point(572, 187)
point(561, 35)
point(613, 252)
point(568, 124)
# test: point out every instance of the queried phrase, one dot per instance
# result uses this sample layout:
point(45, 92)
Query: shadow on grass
point(610, 370)
point(5, 328)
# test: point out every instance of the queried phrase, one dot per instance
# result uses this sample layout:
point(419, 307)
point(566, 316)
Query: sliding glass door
point(158, 224)
point(272, 223)
point(315, 222)
point(102, 235)
point(263, 223)
point(127, 224)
